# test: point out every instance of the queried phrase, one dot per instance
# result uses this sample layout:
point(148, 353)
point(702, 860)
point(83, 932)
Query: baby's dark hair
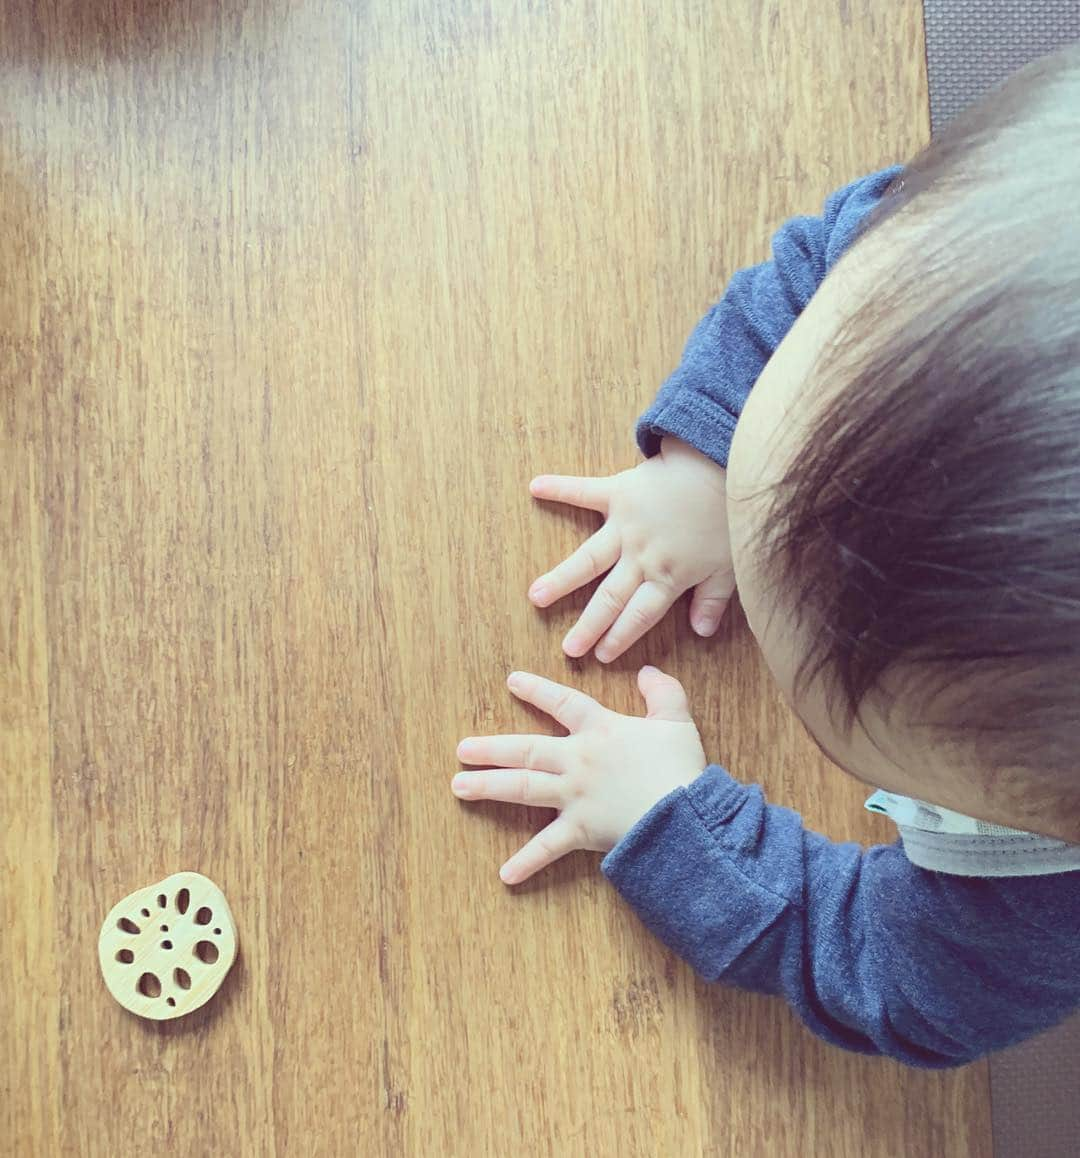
point(929, 531)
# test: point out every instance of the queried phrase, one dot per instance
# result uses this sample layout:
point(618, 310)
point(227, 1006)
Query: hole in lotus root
point(149, 985)
point(207, 952)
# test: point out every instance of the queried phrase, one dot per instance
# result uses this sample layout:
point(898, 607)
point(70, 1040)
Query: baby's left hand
point(602, 778)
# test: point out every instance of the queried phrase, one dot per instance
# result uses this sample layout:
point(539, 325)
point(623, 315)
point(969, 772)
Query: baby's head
point(904, 485)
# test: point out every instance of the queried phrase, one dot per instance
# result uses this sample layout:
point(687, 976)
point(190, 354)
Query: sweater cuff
point(674, 870)
point(695, 418)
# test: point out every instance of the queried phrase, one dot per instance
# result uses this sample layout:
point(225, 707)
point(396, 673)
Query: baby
point(875, 438)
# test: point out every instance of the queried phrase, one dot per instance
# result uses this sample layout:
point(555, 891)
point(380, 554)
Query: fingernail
point(464, 747)
point(538, 591)
point(570, 644)
point(705, 625)
point(513, 679)
point(603, 655)
point(648, 669)
point(460, 783)
point(506, 874)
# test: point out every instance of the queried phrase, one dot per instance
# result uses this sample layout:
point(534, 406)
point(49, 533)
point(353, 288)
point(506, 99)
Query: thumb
point(664, 696)
point(710, 601)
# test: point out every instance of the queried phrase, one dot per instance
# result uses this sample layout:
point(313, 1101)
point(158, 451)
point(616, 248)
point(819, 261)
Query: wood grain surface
point(294, 299)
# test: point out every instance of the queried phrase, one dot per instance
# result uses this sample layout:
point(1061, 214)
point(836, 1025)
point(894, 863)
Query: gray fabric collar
point(941, 840)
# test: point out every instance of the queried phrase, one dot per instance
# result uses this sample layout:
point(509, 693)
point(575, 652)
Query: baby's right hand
point(666, 531)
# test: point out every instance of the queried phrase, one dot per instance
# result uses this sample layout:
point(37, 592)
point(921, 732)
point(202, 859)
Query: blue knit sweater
point(872, 952)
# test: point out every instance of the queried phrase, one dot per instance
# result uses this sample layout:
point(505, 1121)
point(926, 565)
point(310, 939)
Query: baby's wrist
point(674, 449)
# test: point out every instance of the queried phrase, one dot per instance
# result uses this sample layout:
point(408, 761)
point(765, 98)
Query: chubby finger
point(590, 493)
point(541, 753)
point(514, 786)
point(546, 847)
point(646, 607)
point(573, 709)
point(665, 698)
point(710, 601)
point(603, 608)
point(598, 553)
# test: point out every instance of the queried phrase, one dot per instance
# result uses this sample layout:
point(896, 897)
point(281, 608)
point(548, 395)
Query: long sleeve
point(702, 400)
point(873, 953)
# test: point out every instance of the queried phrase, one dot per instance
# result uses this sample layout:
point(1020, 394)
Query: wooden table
point(294, 299)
